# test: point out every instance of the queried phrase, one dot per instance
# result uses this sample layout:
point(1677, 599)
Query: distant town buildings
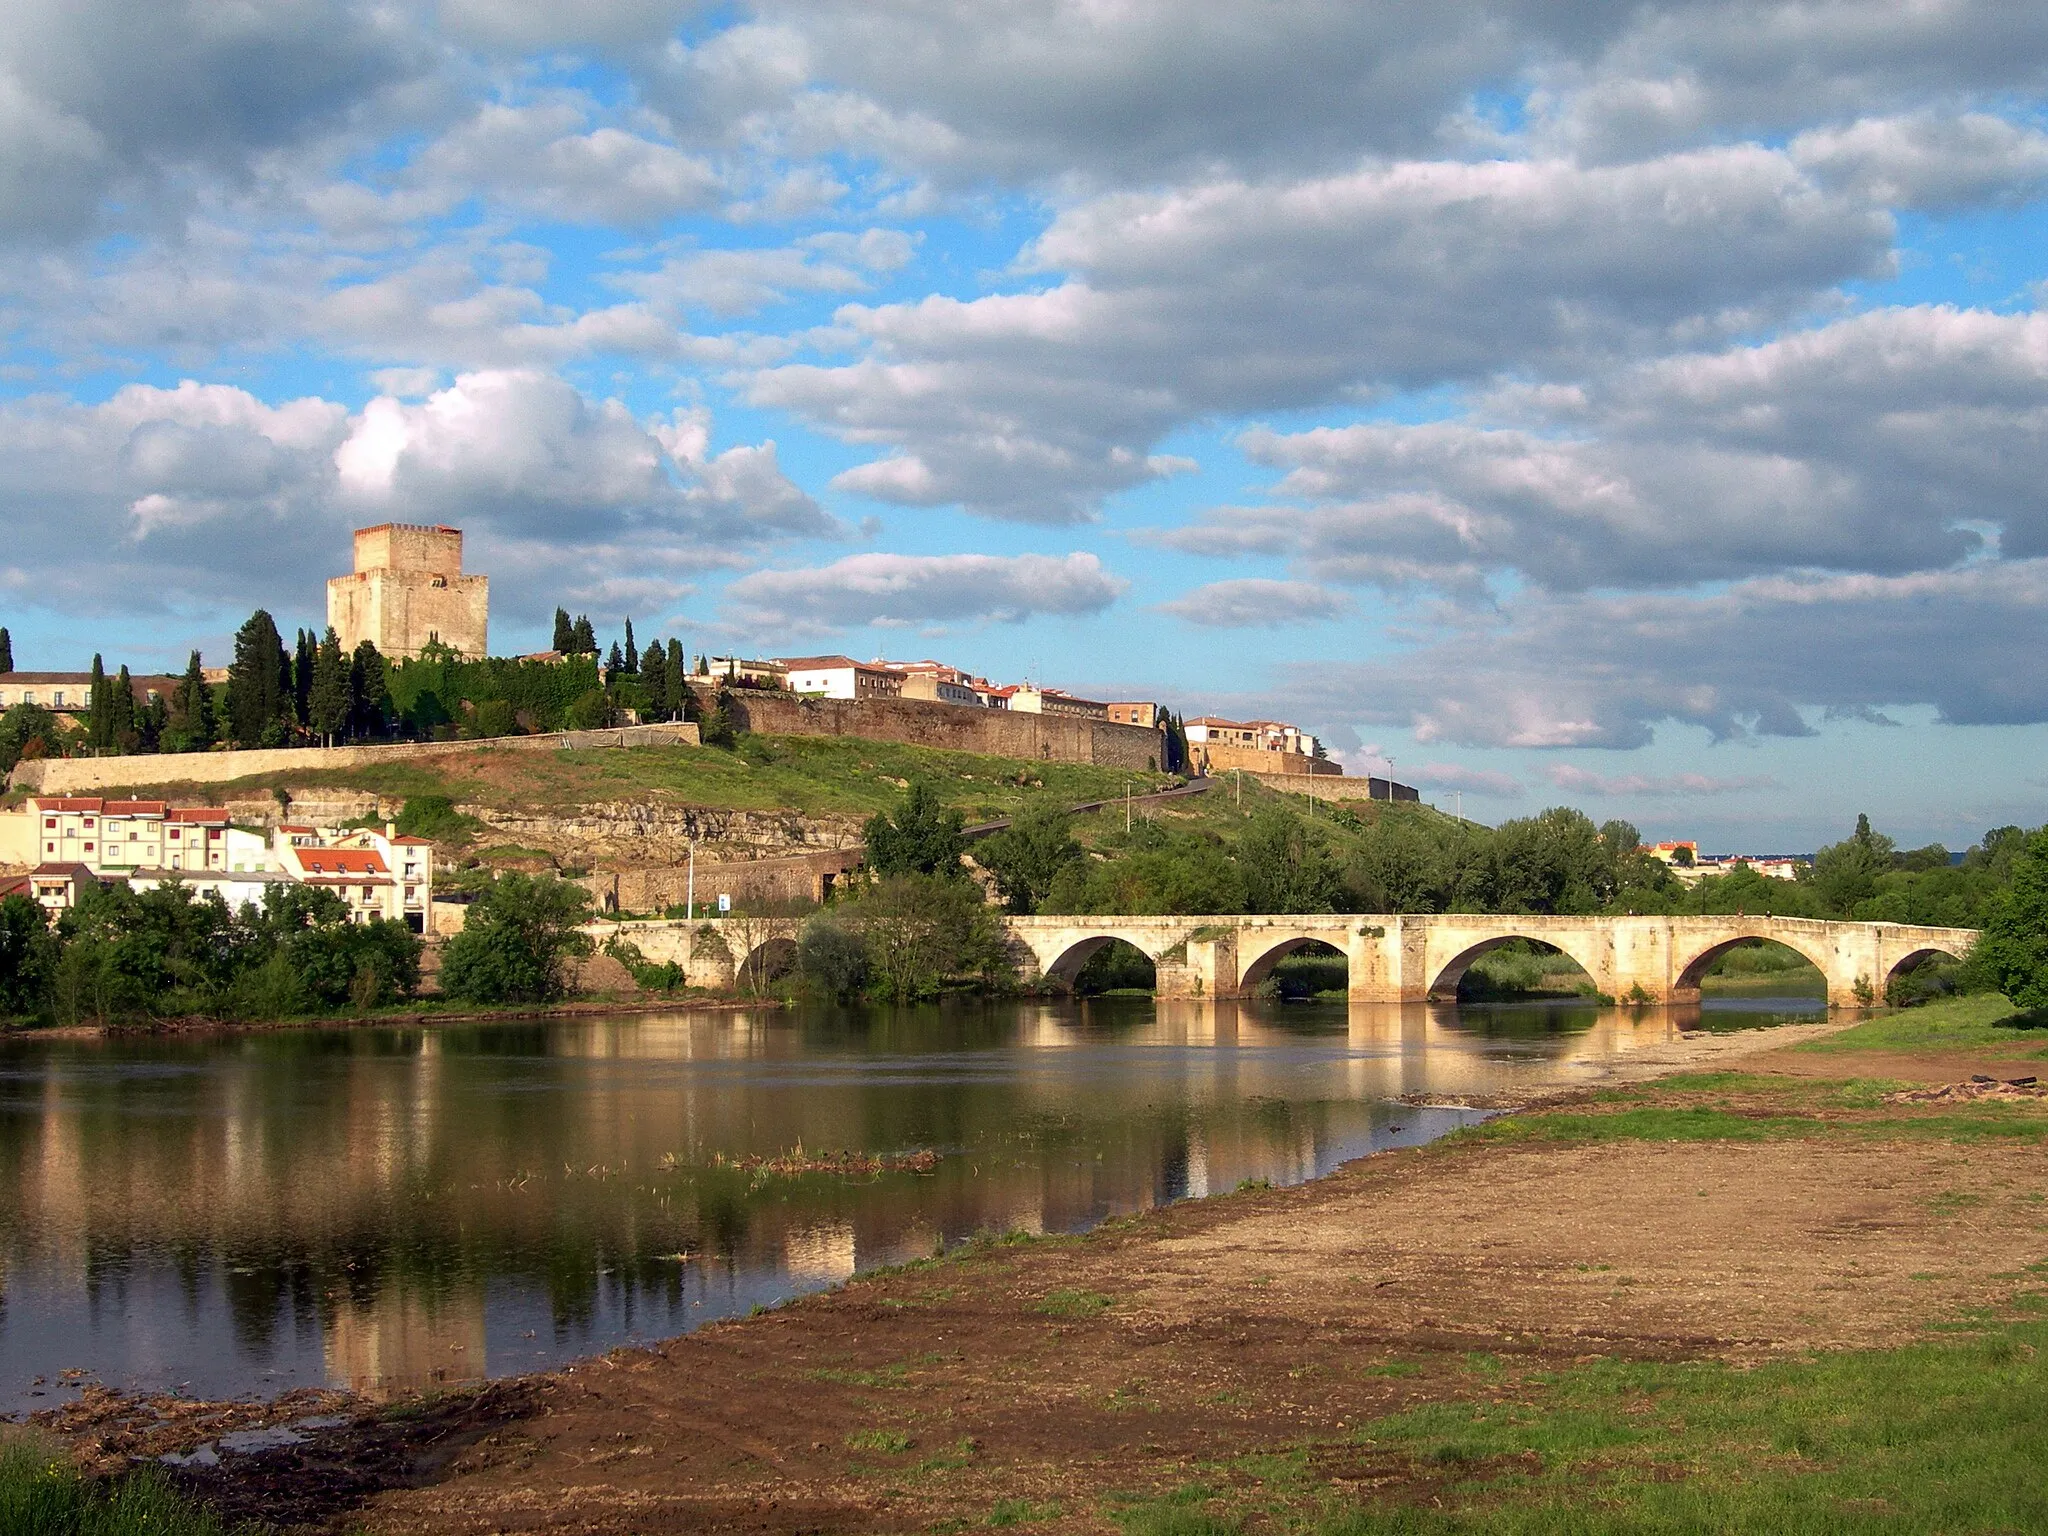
point(1685, 860)
point(1255, 746)
point(841, 677)
point(150, 843)
point(408, 590)
point(70, 693)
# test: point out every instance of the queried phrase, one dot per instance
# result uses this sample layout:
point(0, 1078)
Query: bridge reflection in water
point(395, 1208)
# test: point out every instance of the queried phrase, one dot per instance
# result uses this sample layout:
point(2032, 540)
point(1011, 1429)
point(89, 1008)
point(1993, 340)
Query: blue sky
point(1639, 408)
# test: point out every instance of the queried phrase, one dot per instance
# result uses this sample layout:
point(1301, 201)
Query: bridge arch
point(1910, 962)
point(1076, 954)
point(1255, 970)
point(1686, 984)
point(772, 957)
point(1447, 976)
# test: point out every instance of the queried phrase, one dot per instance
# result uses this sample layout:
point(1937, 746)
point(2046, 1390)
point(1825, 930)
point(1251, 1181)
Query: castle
point(407, 589)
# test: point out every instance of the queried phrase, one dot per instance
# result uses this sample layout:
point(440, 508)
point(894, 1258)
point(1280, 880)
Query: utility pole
point(1127, 807)
point(690, 896)
point(1237, 779)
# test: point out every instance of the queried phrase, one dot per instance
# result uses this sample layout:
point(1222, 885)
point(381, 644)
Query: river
point(395, 1208)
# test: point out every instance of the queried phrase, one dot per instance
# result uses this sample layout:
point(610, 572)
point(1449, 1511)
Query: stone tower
point(408, 588)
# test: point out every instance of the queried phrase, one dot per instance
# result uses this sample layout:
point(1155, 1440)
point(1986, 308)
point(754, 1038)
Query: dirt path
point(1030, 1380)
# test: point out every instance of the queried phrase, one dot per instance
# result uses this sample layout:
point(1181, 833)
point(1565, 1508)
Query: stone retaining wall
point(953, 727)
point(85, 775)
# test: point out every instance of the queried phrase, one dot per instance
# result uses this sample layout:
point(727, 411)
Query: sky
point(1642, 407)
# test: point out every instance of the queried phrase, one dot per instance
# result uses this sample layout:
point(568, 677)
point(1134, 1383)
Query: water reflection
point(398, 1208)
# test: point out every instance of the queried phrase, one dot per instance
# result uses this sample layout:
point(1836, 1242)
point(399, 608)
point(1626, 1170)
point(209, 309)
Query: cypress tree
point(151, 720)
point(654, 682)
point(99, 717)
point(583, 639)
point(632, 655)
point(369, 692)
point(565, 633)
point(6, 650)
point(122, 733)
point(192, 708)
point(259, 681)
point(304, 655)
point(616, 662)
point(327, 704)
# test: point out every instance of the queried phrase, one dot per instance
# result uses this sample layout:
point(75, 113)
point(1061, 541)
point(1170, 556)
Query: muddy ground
point(1062, 1372)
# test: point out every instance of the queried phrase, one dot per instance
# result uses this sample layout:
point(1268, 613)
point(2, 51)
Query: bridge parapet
point(1409, 958)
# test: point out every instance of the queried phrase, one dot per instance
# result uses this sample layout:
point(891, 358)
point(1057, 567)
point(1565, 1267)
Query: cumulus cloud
point(740, 282)
point(1754, 658)
point(893, 590)
point(1258, 603)
point(206, 494)
point(1581, 781)
point(100, 99)
point(1929, 161)
point(1232, 297)
point(1895, 441)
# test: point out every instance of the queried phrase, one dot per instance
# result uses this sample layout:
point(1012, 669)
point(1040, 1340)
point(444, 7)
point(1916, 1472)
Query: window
point(57, 698)
point(88, 847)
point(88, 823)
point(173, 834)
point(49, 847)
point(49, 823)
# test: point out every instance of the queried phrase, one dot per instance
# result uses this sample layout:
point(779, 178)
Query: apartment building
point(753, 674)
point(116, 837)
point(378, 874)
point(69, 693)
point(1130, 712)
point(1030, 700)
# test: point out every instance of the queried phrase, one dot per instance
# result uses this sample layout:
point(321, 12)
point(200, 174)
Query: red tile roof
point(412, 842)
point(136, 807)
point(342, 861)
point(71, 803)
point(206, 815)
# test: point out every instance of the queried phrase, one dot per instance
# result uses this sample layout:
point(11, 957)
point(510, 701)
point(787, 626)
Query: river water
point(397, 1208)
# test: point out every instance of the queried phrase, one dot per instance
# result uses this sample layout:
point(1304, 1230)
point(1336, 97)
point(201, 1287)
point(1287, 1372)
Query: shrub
point(516, 944)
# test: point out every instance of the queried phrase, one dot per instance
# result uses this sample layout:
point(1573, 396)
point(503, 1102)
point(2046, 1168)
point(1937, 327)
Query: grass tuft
point(42, 1495)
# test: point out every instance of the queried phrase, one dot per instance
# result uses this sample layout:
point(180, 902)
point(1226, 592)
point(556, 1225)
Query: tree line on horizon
point(315, 693)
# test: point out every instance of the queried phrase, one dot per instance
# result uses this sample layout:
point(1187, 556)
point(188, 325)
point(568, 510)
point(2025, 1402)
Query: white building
point(841, 677)
point(379, 874)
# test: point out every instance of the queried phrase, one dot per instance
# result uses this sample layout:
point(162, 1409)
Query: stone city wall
point(1326, 788)
point(87, 775)
point(953, 727)
point(752, 884)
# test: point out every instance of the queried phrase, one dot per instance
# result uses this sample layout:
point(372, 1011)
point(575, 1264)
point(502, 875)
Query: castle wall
point(953, 727)
point(407, 589)
point(89, 775)
point(409, 547)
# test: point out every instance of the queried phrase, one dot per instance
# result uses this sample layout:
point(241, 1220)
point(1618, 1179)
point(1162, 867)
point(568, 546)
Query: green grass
point(1943, 1436)
point(41, 1495)
point(806, 774)
point(1645, 1123)
point(1961, 1023)
point(890, 1442)
point(1073, 1303)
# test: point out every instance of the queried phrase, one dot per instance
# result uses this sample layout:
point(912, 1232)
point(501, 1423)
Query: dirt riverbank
point(1760, 1204)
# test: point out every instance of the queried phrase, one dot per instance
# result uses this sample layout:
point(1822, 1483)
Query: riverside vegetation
point(919, 924)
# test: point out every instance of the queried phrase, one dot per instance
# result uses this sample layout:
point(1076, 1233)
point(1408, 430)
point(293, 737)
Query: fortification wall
point(754, 884)
point(953, 727)
point(1339, 788)
point(1255, 760)
point(86, 775)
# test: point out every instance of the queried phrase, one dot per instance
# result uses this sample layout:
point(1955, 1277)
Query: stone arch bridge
point(1412, 958)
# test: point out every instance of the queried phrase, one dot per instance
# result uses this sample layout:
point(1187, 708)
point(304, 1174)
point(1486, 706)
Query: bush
point(832, 957)
point(592, 711)
point(516, 944)
point(493, 717)
point(28, 958)
point(2012, 954)
point(921, 838)
point(917, 932)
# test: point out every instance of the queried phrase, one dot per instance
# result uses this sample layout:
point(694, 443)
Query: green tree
point(1157, 871)
point(682, 697)
point(28, 958)
point(1028, 855)
point(583, 639)
point(191, 726)
point(6, 650)
point(922, 837)
point(517, 942)
point(99, 711)
point(27, 731)
point(654, 682)
point(591, 711)
point(1286, 866)
point(369, 693)
point(327, 702)
point(565, 633)
point(615, 663)
point(333, 960)
point(121, 722)
point(918, 931)
point(1847, 872)
point(258, 700)
point(2012, 952)
point(305, 656)
point(632, 656)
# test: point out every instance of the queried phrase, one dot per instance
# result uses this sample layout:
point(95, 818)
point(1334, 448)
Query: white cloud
point(205, 494)
point(1895, 441)
point(1581, 781)
point(923, 589)
point(1929, 161)
point(1258, 603)
point(1756, 657)
point(1230, 297)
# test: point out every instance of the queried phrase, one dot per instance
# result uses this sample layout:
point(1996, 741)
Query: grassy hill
point(808, 775)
